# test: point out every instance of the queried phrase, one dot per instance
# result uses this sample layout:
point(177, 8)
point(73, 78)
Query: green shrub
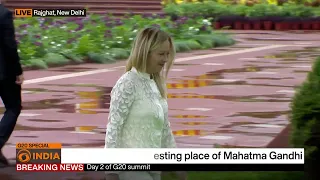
point(305, 116)
point(215, 10)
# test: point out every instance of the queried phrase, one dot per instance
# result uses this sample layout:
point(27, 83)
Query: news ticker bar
point(38, 153)
point(28, 12)
point(193, 167)
point(157, 167)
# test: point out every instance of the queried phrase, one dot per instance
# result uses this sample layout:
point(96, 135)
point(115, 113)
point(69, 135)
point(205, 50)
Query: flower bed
point(257, 17)
point(47, 42)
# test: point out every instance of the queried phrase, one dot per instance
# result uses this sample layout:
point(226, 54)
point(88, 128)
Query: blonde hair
point(146, 41)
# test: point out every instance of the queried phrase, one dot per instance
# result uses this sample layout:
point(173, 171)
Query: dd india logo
point(38, 153)
point(24, 156)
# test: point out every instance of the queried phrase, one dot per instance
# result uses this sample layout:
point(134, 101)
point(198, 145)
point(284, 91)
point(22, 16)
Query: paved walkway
point(237, 96)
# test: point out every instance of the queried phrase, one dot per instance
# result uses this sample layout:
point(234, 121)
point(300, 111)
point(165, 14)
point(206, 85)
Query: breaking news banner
point(51, 157)
point(50, 12)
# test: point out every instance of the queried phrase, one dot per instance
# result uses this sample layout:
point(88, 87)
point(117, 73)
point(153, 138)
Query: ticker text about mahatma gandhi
point(229, 155)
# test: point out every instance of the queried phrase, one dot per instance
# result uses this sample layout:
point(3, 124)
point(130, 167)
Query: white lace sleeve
point(122, 97)
point(168, 140)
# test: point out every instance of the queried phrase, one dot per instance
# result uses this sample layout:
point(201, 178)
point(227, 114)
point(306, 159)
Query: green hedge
point(305, 118)
point(215, 10)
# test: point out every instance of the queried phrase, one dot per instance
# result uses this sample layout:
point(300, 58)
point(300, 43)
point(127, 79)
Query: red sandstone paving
point(244, 104)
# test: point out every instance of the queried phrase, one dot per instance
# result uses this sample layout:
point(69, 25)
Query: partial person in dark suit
point(11, 78)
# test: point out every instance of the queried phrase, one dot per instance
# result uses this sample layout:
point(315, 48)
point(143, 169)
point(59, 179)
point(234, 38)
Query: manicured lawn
point(240, 176)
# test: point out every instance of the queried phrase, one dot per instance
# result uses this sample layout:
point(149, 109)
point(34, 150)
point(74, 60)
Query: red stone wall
point(116, 7)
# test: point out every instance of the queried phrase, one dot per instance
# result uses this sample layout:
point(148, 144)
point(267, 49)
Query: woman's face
point(158, 58)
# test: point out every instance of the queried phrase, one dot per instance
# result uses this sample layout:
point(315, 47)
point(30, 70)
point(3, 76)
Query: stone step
point(115, 7)
point(90, 7)
point(77, 1)
point(121, 13)
point(83, 2)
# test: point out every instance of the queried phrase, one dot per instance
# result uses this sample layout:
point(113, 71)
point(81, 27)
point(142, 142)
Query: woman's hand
point(182, 175)
point(112, 177)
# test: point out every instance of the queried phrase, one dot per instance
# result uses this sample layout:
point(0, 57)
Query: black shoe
point(3, 165)
point(3, 160)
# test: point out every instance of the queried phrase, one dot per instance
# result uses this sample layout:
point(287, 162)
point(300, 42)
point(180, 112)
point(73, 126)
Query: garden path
point(236, 95)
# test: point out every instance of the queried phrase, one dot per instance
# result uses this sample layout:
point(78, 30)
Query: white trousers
point(139, 175)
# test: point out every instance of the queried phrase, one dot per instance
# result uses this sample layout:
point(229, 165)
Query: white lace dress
point(138, 118)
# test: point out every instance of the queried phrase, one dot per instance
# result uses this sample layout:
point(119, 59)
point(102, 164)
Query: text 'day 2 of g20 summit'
point(50, 12)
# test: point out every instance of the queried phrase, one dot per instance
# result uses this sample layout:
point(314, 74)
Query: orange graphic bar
point(23, 12)
point(38, 146)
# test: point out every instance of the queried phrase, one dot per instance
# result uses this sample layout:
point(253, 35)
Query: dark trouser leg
point(311, 169)
point(10, 94)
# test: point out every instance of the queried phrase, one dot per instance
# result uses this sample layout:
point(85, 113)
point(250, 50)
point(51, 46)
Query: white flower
point(63, 27)
point(58, 45)
point(206, 21)
point(135, 31)
point(19, 50)
point(197, 29)
point(52, 42)
point(45, 37)
point(119, 42)
point(191, 28)
point(119, 37)
point(130, 39)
